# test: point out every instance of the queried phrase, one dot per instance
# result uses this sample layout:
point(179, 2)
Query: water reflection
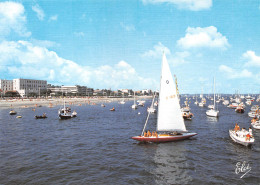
point(212, 119)
point(170, 164)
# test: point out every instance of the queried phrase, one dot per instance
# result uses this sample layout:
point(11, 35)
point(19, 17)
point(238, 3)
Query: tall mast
point(214, 93)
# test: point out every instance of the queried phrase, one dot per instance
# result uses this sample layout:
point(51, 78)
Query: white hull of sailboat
point(212, 113)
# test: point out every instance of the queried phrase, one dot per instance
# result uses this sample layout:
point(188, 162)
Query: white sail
point(169, 111)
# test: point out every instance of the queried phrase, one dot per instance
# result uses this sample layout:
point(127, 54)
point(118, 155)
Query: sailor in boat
point(149, 134)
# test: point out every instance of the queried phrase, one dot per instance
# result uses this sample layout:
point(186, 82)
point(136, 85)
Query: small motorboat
point(113, 109)
point(256, 124)
point(241, 138)
point(40, 117)
point(240, 109)
point(12, 112)
point(18, 116)
point(187, 115)
point(102, 105)
point(74, 114)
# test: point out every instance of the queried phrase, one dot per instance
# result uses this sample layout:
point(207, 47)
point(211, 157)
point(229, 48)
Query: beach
point(50, 102)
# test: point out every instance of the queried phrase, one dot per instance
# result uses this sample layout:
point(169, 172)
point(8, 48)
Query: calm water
point(95, 148)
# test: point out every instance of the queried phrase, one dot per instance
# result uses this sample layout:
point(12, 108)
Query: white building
point(26, 86)
point(69, 90)
point(6, 85)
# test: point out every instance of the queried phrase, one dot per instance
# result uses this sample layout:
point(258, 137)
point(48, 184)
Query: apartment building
point(26, 86)
point(6, 85)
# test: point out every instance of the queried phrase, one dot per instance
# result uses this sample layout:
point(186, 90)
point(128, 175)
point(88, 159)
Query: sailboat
point(169, 120)
point(65, 113)
point(134, 106)
point(151, 109)
point(213, 112)
point(123, 101)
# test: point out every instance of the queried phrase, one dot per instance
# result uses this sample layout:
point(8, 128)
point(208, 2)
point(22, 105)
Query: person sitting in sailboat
point(149, 133)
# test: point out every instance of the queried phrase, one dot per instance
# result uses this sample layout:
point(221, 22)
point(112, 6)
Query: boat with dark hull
point(12, 112)
point(41, 117)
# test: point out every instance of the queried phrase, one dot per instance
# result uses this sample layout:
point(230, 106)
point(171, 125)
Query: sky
point(119, 43)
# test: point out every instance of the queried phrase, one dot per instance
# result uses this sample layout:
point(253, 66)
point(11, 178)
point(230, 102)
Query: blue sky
point(118, 44)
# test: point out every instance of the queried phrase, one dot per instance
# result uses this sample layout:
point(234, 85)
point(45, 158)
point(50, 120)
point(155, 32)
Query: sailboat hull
point(163, 139)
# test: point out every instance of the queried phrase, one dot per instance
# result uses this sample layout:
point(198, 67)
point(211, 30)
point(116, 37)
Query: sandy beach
point(51, 102)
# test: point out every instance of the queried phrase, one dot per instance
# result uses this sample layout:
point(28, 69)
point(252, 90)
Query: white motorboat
point(233, 105)
point(241, 138)
point(225, 102)
point(211, 106)
point(256, 124)
point(253, 114)
point(201, 104)
point(248, 102)
point(74, 114)
point(254, 108)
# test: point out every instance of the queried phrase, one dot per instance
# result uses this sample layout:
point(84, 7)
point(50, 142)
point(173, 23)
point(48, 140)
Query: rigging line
point(145, 123)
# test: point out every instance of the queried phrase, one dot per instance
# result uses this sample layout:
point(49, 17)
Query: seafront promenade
point(51, 102)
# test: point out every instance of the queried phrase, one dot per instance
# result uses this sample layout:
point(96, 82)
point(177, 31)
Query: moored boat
point(12, 112)
point(256, 124)
point(240, 109)
point(43, 116)
point(113, 109)
point(65, 112)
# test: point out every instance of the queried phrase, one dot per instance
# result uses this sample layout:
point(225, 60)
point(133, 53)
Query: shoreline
point(51, 102)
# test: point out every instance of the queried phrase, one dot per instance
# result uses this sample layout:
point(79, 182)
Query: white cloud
point(53, 18)
point(26, 60)
point(232, 73)
point(157, 51)
point(203, 37)
point(176, 59)
point(252, 59)
point(79, 34)
point(12, 18)
point(39, 11)
point(194, 5)
point(129, 27)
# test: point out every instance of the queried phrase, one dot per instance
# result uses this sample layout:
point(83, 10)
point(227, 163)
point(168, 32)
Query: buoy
point(139, 113)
